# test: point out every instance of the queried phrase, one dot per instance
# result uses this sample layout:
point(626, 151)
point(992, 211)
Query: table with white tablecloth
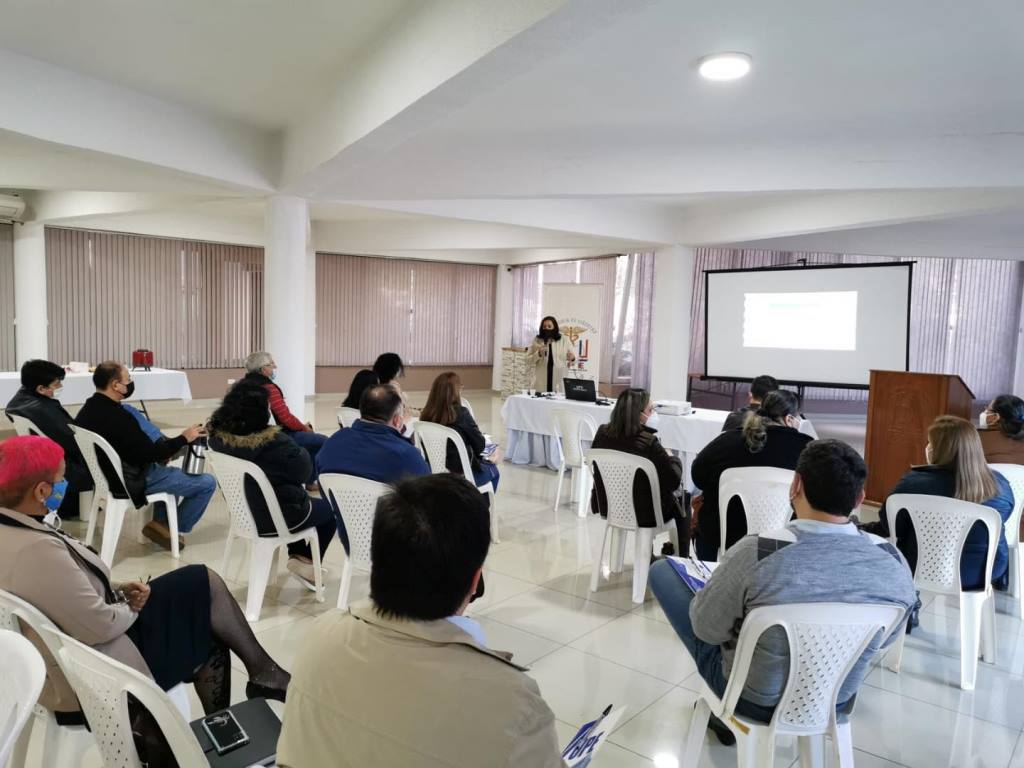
point(154, 384)
point(530, 425)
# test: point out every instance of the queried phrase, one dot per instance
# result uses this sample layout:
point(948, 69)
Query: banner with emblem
point(579, 312)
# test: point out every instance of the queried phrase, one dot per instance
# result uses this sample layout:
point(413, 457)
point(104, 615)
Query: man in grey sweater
point(819, 557)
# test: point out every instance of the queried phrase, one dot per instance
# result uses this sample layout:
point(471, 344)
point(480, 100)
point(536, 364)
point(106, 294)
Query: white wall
point(670, 335)
point(502, 319)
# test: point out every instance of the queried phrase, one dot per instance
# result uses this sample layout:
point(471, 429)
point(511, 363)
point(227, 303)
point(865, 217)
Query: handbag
point(142, 358)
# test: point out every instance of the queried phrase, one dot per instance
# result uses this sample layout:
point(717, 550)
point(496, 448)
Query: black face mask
point(130, 390)
point(547, 333)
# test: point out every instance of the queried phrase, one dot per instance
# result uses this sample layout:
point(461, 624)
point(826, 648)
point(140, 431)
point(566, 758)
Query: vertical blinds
point(430, 313)
point(195, 304)
point(7, 355)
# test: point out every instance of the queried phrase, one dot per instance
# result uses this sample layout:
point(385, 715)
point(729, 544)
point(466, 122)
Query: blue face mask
point(53, 501)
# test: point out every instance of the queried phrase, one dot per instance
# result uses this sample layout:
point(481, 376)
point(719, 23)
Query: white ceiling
point(875, 126)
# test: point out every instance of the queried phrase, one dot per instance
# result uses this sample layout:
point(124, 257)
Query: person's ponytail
point(775, 407)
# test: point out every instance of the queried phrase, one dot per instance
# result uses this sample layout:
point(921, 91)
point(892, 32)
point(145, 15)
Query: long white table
point(530, 426)
point(154, 384)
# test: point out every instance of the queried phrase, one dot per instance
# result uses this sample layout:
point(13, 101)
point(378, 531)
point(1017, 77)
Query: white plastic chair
point(1014, 474)
point(102, 686)
point(23, 427)
point(433, 439)
point(231, 473)
point(617, 470)
point(347, 416)
point(356, 500)
point(571, 429)
point(23, 672)
point(825, 641)
point(117, 502)
point(468, 407)
point(941, 526)
point(764, 493)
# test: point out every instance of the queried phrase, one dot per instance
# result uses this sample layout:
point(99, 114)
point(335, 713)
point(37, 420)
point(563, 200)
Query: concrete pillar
point(502, 319)
point(285, 280)
point(30, 329)
point(310, 318)
point(670, 334)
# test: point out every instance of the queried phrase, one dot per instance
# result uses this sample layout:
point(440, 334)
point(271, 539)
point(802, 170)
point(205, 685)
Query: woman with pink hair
point(179, 628)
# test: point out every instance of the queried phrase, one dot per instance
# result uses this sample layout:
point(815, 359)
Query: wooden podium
point(901, 407)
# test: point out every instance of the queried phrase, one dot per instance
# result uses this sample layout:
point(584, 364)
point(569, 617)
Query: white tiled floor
point(590, 650)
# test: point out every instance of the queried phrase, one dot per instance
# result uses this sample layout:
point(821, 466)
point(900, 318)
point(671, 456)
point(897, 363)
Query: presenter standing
point(550, 354)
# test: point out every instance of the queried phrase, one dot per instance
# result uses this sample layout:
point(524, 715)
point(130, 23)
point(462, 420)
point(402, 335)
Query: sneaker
point(303, 571)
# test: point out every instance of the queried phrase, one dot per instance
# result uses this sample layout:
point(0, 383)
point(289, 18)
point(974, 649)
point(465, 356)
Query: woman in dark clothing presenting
point(627, 431)
point(239, 428)
point(769, 438)
point(956, 469)
point(444, 406)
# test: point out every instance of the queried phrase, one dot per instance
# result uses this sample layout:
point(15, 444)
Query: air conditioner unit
point(12, 209)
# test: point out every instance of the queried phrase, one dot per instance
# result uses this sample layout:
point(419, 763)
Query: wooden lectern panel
point(901, 407)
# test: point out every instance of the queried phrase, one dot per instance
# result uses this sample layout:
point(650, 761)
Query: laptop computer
point(584, 390)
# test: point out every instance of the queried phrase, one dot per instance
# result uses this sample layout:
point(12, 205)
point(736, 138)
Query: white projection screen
point(814, 325)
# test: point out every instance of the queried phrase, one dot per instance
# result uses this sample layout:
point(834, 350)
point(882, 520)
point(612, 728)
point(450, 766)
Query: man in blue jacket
point(373, 446)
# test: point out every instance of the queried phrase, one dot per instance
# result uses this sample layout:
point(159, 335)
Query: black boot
point(721, 730)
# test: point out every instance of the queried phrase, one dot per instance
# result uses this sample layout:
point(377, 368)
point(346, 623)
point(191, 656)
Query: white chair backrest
point(347, 416)
point(617, 470)
point(433, 440)
point(231, 473)
point(90, 444)
point(102, 685)
point(571, 429)
point(23, 672)
point(764, 493)
point(825, 641)
point(23, 426)
point(941, 526)
point(356, 499)
point(468, 407)
point(1014, 474)
point(16, 614)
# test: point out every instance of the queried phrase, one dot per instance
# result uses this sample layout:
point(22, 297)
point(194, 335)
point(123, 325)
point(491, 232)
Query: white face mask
point(983, 419)
point(652, 420)
point(52, 519)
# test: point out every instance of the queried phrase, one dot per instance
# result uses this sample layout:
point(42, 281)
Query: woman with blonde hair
point(956, 469)
point(444, 406)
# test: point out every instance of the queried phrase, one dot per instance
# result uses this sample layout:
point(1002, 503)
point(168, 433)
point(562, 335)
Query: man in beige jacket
point(405, 680)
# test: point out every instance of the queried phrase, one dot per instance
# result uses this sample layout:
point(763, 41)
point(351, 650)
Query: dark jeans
point(311, 442)
point(488, 473)
point(674, 597)
point(327, 522)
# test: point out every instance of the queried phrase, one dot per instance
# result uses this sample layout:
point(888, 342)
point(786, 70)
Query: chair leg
point(318, 570)
point(558, 492)
point(895, 656)
point(19, 752)
point(617, 552)
point(812, 751)
point(584, 498)
point(94, 512)
point(346, 585)
point(695, 736)
point(1014, 573)
point(227, 553)
point(172, 526)
point(844, 745)
point(113, 520)
point(86, 503)
point(641, 562)
point(970, 639)
point(260, 559)
point(595, 573)
point(988, 630)
point(495, 538)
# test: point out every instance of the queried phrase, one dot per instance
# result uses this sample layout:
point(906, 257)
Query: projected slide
point(822, 320)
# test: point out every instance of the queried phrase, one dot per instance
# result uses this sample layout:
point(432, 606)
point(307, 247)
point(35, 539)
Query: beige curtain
point(195, 304)
point(8, 358)
point(430, 313)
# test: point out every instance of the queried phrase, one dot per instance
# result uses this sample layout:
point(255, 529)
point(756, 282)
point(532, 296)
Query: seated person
point(141, 458)
point(38, 401)
point(239, 428)
point(389, 369)
point(956, 469)
point(759, 388)
point(373, 447)
point(406, 680)
point(261, 368)
point(1002, 433)
point(631, 430)
point(362, 381)
point(819, 557)
point(770, 438)
point(179, 628)
point(444, 406)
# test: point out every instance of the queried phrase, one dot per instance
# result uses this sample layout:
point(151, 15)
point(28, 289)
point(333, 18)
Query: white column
point(670, 334)
point(310, 318)
point(285, 281)
point(30, 329)
point(502, 319)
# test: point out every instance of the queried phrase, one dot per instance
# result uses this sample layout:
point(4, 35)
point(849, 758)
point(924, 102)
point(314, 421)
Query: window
point(430, 313)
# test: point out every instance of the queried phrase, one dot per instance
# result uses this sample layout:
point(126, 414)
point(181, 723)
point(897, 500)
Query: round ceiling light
point(724, 66)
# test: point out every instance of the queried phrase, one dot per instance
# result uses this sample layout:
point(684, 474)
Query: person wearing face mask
point(38, 401)
point(1002, 430)
point(631, 429)
point(261, 368)
point(770, 437)
point(956, 469)
point(181, 627)
point(141, 458)
point(550, 354)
